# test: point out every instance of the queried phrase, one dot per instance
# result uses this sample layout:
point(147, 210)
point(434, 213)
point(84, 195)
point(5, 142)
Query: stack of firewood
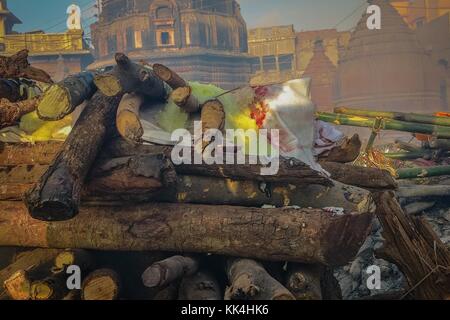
point(121, 206)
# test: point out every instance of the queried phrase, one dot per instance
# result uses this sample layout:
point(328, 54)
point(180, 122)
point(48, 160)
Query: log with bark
point(162, 273)
point(127, 121)
point(298, 235)
point(17, 66)
point(11, 112)
point(304, 281)
point(61, 99)
point(248, 280)
point(101, 284)
point(15, 90)
point(412, 245)
point(212, 118)
point(57, 194)
point(169, 76)
point(347, 152)
point(185, 99)
point(370, 178)
point(128, 77)
point(199, 286)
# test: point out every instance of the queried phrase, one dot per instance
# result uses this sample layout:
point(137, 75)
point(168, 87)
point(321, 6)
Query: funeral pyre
point(88, 180)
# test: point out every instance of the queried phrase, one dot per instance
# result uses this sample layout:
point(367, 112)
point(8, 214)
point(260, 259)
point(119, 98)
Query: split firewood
point(169, 76)
point(128, 77)
point(304, 281)
point(248, 280)
point(164, 272)
point(201, 286)
point(101, 284)
point(412, 245)
point(185, 99)
point(18, 286)
point(61, 99)
point(423, 191)
point(15, 90)
point(127, 120)
point(69, 257)
point(298, 235)
point(370, 178)
point(17, 66)
point(347, 152)
point(27, 260)
point(57, 195)
point(11, 112)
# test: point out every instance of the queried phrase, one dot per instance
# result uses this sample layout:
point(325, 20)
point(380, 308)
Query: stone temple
point(202, 40)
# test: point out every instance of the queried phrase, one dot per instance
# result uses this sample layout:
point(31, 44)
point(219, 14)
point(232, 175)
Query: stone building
point(202, 40)
point(59, 54)
point(388, 69)
point(280, 53)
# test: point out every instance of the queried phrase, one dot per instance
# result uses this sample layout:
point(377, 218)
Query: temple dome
point(387, 69)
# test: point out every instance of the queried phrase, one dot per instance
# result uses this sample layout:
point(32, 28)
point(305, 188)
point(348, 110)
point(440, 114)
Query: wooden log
point(12, 154)
point(406, 146)
point(424, 191)
point(412, 245)
point(184, 99)
point(53, 287)
point(57, 194)
point(250, 281)
point(101, 284)
point(15, 90)
point(304, 281)
point(346, 152)
point(11, 112)
point(168, 76)
point(17, 66)
point(78, 257)
point(164, 272)
point(128, 77)
point(212, 116)
point(61, 99)
point(298, 235)
point(199, 287)
point(127, 121)
point(26, 260)
point(371, 178)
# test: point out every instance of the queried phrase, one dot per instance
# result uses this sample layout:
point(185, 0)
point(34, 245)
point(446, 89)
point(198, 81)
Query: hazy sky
point(304, 14)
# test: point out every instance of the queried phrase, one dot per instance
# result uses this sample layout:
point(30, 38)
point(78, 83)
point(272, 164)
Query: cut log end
point(53, 211)
point(184, 98)
point(168, 76)
point(129, 126)
point(101, 284)
point(55, 103)
point(108, 84)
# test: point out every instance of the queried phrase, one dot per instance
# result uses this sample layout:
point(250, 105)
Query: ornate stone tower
point(322, 72)
point(203, 40)
point(387, 69)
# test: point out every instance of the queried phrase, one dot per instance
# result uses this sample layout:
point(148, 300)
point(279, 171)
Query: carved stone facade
point(203, 40)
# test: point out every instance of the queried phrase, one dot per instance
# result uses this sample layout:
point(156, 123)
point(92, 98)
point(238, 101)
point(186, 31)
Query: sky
point(50, 15)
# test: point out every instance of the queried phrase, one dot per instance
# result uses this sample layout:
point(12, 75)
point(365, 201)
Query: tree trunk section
point(127, 120)
point(164, 272)
point(17, 66)
point(369, 178)
point(128, 77)
point(184, 99)
point(102, 284)
point(298, 235)
point(169, 76)
point(412, 245)
point(200, 286)
point(61, 99)
point(57, 195)
point(11, 112)
point(304, 281)
point(250, 281)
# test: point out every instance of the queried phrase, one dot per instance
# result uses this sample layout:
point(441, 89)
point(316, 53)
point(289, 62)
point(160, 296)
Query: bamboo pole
point(400, 116)
point(423, 172)
point(386, 124)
